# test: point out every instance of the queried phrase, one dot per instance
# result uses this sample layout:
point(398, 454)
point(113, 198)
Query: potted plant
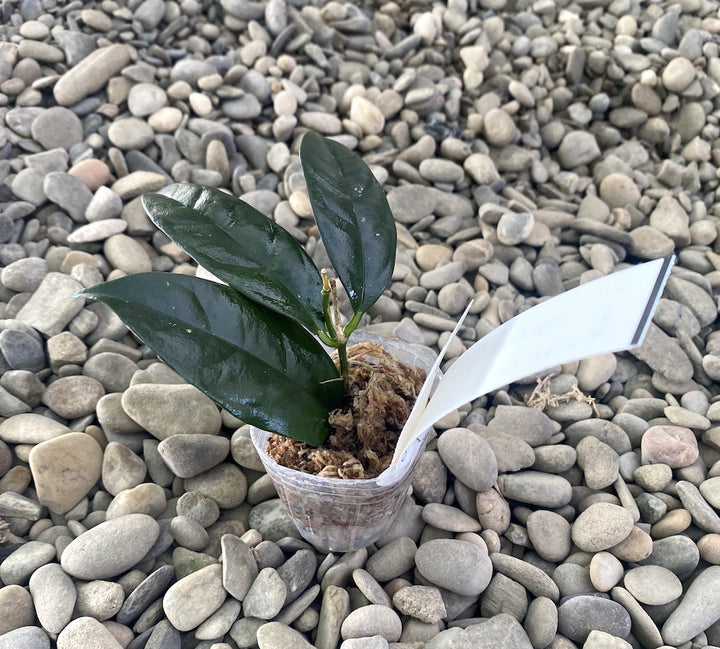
point(257, 341)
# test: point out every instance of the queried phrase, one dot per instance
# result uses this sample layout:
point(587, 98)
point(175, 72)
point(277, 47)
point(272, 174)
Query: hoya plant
point(253, 344)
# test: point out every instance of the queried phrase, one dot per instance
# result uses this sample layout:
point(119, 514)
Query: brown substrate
point(381, 393)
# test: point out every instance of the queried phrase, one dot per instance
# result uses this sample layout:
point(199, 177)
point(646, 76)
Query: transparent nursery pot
point(339, 515)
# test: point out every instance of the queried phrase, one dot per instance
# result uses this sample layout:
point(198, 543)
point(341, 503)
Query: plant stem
point(339, 333)
point(326, 293)
point(343, 359)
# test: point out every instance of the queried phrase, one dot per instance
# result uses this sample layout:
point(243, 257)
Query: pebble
point(145, 99)
point(535, 488)
point(24, 561)
point(194, 598)
point(469, 458)
point(146, 592)
point(678, 74)
point(393, 559)
point(675, 446)
point(366, 115)
point(65, 469)
point(86, 631)
point(599, 462)
point(73, 396)
point(499, 128)
point(549, 533)
point(371, 620)
point(99, 599)
point(502, 630)
point(698, 609)
point(370, 587)
point(266, 595)
point(275, 634)
point(54, 596)
point(57, 127)
point(52, 306)
point(458, 566)
point(577, 148)
point(534, 579)
point(130, 133)
point(91, 74)
point(164, 410)
point(110, 548)
point(31, 637)
point(16, 605)
point(703, 515)
point(606, 571)
point(188, 455)
point(653, 585)
point(601, 526)
point(579, 615)
point(424, 603)
point(30, 428)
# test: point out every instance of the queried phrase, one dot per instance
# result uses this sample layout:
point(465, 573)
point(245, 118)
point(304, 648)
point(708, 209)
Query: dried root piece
point(542, 397)
point(381, 393)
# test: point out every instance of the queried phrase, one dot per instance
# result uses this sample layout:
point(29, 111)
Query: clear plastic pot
point(339, 515)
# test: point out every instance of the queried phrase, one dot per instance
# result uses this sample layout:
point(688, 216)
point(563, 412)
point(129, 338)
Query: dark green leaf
point(242, 247)
point(353, 216)
point(259, 365)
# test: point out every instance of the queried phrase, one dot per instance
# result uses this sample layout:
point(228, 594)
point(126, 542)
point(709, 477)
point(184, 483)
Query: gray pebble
point(393, 559)
point(274, 635)
point(550, 535)
point(266, 595)
point(535, 488)
point(703, 514)
point(577, 616)
point(110, 548)
point(21, 351)
point(468, 457)
point(165, 410)
point(677, 553)
point(194, 598)
point(541, 621)
point(458, 566)
point(698, 609)
point(24, 275)
point(146, 592)
point(27, 637)
point(449, 518)
point(57, 127)
point(372, 620)
point(54, 596)
point(188, 455)
point(17, 568)
point(369, 587)
point(502, 631)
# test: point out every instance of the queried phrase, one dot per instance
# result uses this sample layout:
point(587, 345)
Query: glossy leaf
point(353, 216)
point(242, 247)
point(261, 366)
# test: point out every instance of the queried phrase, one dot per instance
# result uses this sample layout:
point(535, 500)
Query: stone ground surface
point(526, 147)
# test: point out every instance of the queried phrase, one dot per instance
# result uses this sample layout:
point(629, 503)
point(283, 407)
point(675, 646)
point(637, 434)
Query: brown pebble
point(636, 547)
point(93, 173)
point(674, 522)
point(675, 446)
point(709, 547)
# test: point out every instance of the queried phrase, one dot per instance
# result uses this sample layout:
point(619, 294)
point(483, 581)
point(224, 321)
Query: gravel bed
point(526, 147)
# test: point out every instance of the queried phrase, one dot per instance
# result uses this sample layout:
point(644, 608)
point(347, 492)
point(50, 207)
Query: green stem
point(352, 325)
point(342, 357)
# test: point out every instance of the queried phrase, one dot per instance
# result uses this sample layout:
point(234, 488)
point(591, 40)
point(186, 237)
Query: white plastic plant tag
point(609, 314)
